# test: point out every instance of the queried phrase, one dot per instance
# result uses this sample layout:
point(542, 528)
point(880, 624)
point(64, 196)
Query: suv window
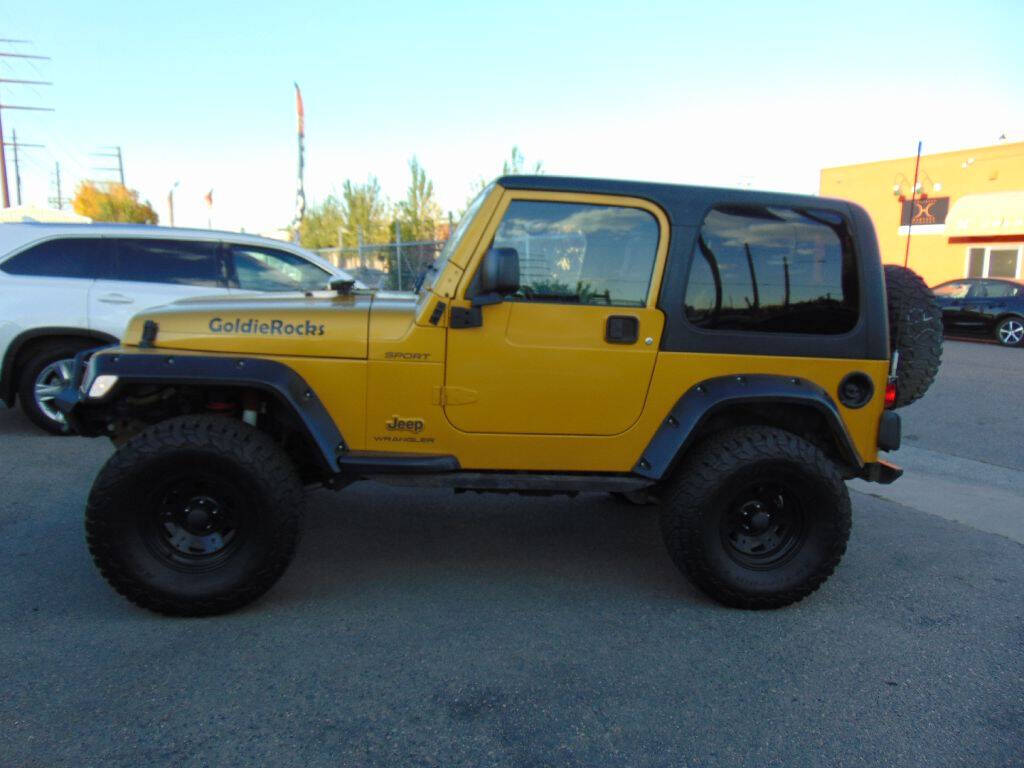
point(773, 269)
point(66, 257)
point(267, 269)
point(581, 254)
point(181, 262)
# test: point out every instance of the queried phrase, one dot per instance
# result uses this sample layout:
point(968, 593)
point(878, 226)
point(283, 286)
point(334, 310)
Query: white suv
point(69, 287)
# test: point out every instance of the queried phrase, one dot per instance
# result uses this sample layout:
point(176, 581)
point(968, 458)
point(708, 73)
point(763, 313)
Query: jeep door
point(572, 351)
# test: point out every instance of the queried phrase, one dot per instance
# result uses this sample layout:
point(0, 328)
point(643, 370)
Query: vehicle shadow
point(373, 537)
point(13, 422)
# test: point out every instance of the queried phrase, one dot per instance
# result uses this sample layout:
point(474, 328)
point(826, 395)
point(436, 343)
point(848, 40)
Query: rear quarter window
point(79, 257)
point(773, 269)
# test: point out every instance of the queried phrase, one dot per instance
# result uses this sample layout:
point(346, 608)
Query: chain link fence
point(386, 266)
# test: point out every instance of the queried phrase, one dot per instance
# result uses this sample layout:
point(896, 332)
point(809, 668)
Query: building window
point(994, 261)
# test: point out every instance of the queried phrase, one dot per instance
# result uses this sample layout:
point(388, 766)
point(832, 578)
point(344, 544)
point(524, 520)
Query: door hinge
point(465, 317)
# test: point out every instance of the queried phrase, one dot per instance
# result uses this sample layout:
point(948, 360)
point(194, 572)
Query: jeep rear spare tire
point(915, 332)
point(196, 515)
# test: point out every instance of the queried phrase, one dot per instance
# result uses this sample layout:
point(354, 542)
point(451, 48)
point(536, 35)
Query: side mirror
point(498, 276)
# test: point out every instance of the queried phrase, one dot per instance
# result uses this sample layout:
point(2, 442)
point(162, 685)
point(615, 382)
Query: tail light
point(890, 393)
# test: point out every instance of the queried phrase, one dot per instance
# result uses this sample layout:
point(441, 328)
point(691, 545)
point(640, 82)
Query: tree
point(364, 210)
point(515, 163)
point(419, 214)
point(361, 210)
point(320, 224)
point(112, 202)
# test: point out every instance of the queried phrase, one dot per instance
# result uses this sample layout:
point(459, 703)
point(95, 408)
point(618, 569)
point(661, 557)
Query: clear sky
point(746, 93)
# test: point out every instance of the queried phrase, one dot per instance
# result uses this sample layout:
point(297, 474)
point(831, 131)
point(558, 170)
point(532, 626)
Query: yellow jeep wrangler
point(727, 354)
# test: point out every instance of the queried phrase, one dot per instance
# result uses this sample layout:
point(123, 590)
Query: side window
point(773, 269)
point(993, 289)
point(956, 290)
point(267, 269)
point(581, 254)
point(66, 257)
point(181, 262)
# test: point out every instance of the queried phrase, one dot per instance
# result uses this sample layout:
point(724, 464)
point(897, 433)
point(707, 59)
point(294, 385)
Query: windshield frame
point(437, 267)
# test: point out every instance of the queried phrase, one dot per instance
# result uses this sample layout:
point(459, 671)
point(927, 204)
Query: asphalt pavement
point(425, 628)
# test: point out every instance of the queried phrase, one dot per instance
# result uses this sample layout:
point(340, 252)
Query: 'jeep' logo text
point(405, 425)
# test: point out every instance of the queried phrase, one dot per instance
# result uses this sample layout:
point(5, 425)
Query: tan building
point(965, 219)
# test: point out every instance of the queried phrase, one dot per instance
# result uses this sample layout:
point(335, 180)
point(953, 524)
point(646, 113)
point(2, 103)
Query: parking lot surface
point(426, 628)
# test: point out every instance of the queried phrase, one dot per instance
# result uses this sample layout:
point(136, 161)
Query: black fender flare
point(263, 374)
point(8, 384)
point(712, 396)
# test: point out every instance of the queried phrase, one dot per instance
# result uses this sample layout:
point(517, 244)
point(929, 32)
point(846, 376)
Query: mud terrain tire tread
point(915, 329)
point(689, 506)
point(220, 438)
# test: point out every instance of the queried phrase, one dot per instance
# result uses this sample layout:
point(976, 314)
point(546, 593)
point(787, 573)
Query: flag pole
point(913, 196)
point(300, 192)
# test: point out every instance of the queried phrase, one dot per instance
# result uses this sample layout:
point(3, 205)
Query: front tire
point(756, 517)
point(1010, 331)
point(194, 516)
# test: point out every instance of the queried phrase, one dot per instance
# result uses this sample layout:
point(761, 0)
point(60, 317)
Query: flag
point(208, 197)
point(300, 111)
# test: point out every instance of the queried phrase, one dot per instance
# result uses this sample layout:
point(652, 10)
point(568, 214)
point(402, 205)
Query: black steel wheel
point(197, 515)
point(757, 517)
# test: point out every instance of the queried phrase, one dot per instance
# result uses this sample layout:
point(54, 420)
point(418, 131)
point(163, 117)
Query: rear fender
point(713, 397)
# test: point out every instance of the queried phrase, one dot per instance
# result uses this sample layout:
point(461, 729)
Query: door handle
point(115, 298)
point(622, 329)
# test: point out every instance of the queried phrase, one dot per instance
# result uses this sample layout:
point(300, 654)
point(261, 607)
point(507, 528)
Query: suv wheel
point(195, 516)
point(757, 517)
point(1010, 331)
point(47, 372)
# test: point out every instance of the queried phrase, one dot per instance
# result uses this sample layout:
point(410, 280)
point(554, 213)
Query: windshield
point(438, 266)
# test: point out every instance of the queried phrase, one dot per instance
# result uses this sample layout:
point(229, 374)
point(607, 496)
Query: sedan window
point(956, 290)
point(994, 290)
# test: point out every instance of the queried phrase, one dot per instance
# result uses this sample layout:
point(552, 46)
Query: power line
point(116, 154)
point(3, 144)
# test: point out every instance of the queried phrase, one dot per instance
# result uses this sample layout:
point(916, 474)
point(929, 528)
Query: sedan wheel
point(1010, 332)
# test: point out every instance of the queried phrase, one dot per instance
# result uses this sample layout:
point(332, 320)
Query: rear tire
point(194, 516)
point(756, 517)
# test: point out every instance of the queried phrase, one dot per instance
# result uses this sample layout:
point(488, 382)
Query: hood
point(320, 324)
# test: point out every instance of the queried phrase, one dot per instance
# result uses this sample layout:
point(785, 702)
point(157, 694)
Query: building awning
point(993, 216)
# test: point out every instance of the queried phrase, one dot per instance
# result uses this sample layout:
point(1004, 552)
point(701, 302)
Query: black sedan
point(983, 305)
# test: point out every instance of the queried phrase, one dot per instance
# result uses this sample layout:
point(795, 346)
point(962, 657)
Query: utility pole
point(3, 153)
point(170, 202)
point(17, 166)
point(59, 200)
point(120, 161)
